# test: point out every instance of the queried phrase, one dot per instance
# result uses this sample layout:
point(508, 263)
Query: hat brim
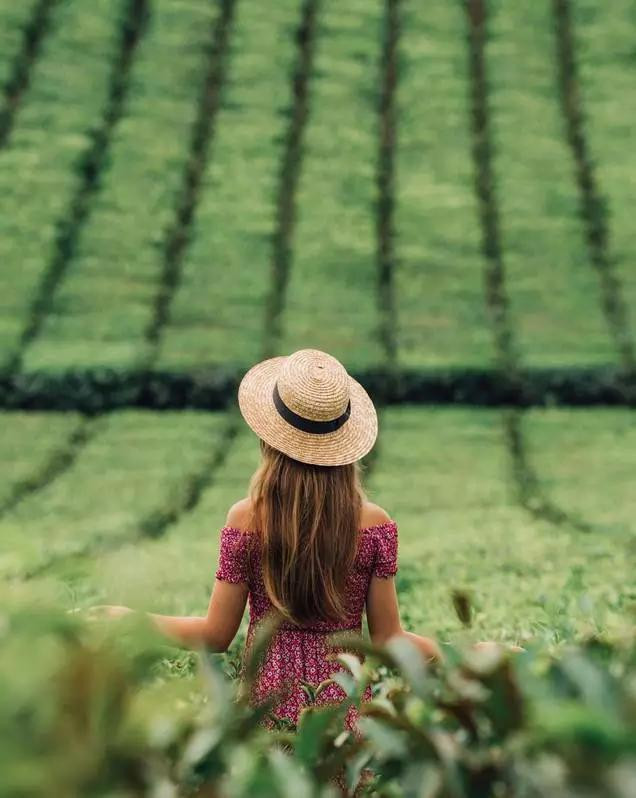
point(353, 440)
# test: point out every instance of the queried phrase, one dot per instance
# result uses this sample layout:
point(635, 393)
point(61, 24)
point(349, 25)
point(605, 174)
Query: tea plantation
point(439, 194)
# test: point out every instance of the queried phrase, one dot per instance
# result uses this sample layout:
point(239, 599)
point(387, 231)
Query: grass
point(37, 169)
point(105, 303)
point(553, 289)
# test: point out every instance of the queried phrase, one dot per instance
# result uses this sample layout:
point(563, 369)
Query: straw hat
point(307, 406)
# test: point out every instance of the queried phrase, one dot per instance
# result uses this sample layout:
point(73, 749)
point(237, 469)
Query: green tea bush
point(106, 709)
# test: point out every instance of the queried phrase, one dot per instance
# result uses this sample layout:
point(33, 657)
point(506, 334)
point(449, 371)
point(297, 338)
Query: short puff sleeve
point(385, 564)
point(233, 555)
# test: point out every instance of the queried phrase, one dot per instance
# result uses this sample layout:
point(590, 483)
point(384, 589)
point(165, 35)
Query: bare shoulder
point(373, 515)
point(240, 514)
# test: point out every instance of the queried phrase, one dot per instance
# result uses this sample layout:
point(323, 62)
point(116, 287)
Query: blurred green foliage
point(92, 710)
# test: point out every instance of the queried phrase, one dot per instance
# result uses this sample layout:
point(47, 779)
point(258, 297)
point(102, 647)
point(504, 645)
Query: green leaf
point(291, 781)
point(353, 663)
point(355, 766)
point(411, 663)
point(312, 729)
point(387, 742)
point(346, 681)
point(462, 606)
point(593, 685)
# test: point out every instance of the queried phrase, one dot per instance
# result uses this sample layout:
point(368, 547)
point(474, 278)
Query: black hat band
point(308, 424)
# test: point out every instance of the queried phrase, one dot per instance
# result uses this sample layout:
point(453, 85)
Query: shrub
point(101, 710)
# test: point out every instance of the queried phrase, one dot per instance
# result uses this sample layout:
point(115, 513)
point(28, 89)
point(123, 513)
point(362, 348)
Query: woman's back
point(298, 653)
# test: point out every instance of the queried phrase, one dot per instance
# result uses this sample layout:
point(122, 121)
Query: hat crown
point(314, 384)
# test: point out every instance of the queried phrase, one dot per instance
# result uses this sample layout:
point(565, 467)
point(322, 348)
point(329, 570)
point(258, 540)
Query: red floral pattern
point(300, 655)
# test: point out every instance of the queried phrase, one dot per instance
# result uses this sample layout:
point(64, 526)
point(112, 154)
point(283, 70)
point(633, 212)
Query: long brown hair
point(308, 518)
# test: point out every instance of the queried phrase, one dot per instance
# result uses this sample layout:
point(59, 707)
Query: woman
point(305, 545)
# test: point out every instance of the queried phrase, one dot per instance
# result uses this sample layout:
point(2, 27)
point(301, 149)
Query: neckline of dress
point(360, 529)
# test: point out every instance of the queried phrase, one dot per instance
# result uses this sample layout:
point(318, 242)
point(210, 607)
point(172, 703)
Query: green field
point(213, 186)
point(187, 186)
point(120, 526)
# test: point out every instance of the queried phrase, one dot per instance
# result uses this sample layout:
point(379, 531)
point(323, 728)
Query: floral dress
point(298, 655)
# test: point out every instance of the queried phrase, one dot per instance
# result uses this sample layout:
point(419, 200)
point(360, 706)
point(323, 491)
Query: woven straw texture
point(316, 386)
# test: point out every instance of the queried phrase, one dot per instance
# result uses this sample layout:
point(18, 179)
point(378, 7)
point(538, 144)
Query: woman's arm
point(227, 602)
point(383, 619)
point(217, 628)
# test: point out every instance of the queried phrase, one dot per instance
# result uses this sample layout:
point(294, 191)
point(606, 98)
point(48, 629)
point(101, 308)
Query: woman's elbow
point(215, 641)
point(380, 637)
point(215, 646)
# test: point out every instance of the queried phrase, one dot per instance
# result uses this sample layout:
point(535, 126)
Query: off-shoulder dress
point(300, 655)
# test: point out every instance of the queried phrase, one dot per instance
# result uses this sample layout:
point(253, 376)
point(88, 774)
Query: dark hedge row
point(385, 180)
point(100, 390)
